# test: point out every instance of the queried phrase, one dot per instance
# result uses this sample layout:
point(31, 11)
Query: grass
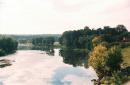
point(126, 55)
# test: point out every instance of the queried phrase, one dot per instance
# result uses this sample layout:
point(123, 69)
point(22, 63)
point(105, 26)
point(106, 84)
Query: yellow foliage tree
point(98, 59)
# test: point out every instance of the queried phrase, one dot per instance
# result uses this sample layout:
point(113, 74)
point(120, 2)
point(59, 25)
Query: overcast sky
point(57, 16)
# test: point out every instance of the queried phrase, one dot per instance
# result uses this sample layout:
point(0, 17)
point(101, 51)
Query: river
point(34, 67)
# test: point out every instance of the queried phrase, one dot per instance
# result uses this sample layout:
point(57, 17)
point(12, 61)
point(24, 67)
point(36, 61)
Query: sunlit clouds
point(57, 16)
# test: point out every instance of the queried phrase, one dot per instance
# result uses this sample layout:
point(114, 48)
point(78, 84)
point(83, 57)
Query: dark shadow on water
point(75, 57)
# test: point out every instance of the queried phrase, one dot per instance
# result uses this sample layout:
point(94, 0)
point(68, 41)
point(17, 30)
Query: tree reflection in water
point(49, 50)
point(75, 57)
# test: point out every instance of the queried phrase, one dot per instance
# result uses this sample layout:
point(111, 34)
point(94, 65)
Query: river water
point(34, 67)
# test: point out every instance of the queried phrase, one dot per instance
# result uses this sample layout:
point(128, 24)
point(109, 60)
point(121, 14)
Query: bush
point(2, 53)
point(7, 45)
point(114, 58)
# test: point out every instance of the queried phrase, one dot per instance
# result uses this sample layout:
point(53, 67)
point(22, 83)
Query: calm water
point(34, 67)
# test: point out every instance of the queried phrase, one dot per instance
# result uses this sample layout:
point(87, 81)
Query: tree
point(43, 41)
point(2, 53)
point(114, 58)
point(121, 28)
point(7, 45)
point(105, 61)
point(98, 59)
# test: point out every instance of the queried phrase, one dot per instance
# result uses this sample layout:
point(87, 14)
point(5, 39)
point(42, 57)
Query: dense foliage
point(83, 38)
point(7, 45)
point(114, 59)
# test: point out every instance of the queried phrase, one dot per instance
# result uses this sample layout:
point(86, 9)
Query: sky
point(57, 16)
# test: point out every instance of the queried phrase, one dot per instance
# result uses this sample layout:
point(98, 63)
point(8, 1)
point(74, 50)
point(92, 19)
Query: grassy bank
point(126, 55)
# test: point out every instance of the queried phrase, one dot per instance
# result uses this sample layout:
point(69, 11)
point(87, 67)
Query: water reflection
point(61, 73)
point(48, 50)
point(46, 70)
point(75, 57)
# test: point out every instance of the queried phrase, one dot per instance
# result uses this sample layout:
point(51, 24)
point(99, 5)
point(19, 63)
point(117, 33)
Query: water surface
point(33, 67)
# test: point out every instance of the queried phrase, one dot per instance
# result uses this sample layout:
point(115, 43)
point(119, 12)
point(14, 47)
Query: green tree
point(2, 53)
point(7, 45)
point(114, 58)
point(43, 41)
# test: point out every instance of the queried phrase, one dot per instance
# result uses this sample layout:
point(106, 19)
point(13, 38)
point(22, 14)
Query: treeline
point(83, 38)
point(26, 41)
point(29, 37)
point(38, 41)
point(43, 41)
point(7, 45)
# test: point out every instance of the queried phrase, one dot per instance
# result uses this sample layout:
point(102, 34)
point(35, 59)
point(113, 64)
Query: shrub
point(2, 53)
point(114, 58)
point(7, 45)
